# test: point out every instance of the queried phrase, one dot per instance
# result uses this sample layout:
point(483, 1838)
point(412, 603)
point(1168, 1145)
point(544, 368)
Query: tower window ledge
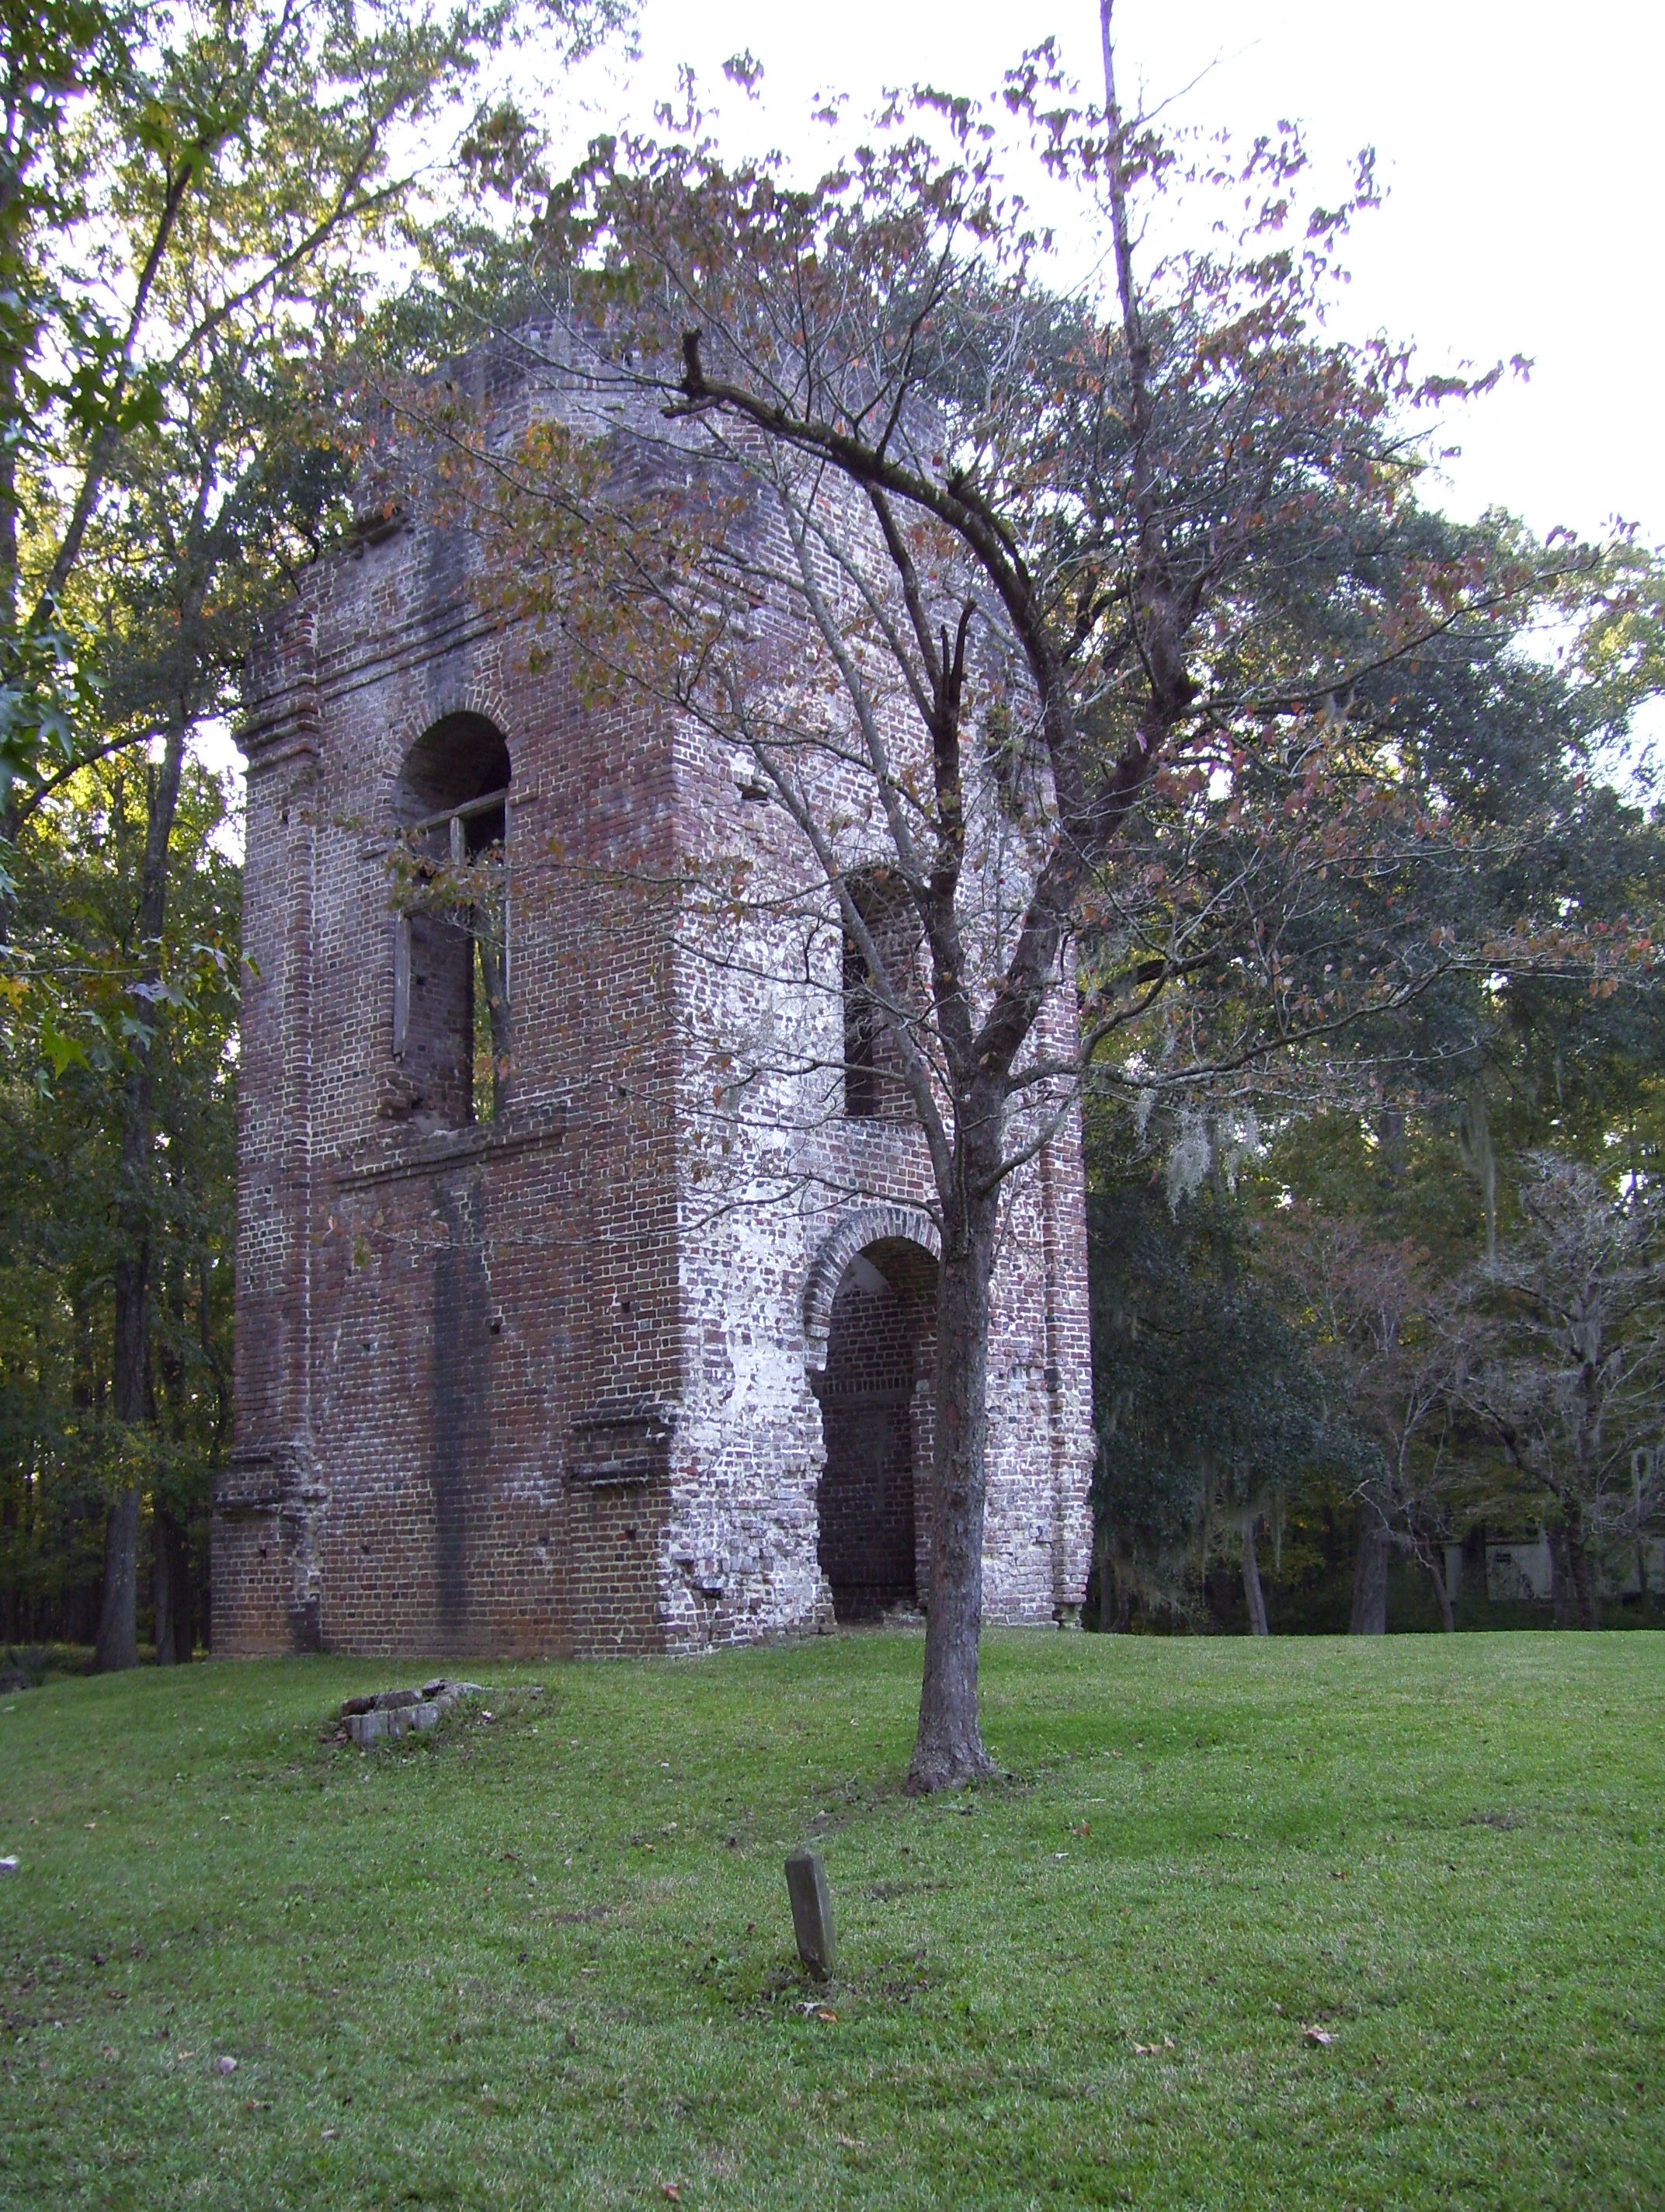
point(420, 1154)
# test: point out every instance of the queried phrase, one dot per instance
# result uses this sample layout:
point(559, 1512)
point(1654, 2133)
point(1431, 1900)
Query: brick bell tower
point(506, 1382)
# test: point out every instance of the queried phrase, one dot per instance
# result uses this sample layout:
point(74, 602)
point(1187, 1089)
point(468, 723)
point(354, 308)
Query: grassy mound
point(544, 1959)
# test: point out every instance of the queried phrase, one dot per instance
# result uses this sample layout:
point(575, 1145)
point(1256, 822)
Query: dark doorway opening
point(875, 1419)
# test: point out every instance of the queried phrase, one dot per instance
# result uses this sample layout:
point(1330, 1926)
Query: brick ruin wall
point(520, 1386)
point(752, 1441)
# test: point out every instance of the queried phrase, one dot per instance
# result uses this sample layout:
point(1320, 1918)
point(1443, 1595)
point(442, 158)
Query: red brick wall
point(545, 1384)
point(425, 1309)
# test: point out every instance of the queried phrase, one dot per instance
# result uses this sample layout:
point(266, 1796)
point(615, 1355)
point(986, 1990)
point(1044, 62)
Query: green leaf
point(63, 1052)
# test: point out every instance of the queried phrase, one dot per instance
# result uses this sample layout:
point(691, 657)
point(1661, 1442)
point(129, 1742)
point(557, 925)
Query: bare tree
point(1568, 1368)
point(964, 576)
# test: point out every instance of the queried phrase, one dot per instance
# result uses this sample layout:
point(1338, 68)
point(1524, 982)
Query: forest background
point(1362, 1305)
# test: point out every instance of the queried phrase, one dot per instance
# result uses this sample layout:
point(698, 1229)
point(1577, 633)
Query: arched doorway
point(875, 1418)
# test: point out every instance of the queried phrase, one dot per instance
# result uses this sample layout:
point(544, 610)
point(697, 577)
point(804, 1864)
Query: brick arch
point(482, 694)
point(868, 1225)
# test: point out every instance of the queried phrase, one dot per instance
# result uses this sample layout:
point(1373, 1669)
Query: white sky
point(1520, 146)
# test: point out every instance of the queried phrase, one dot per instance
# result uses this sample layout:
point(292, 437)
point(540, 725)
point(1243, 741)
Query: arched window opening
point(877, 1419)
point(451, 957)
point(874, 1088)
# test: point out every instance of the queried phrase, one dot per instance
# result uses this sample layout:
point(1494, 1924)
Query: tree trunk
point(1573, 1579)
point(1586, 1592)
point(10, 363)
point(185, 1597)
point(1437, 1576)
point(118, 1624)
point(164, 1594)
point(1390, 1142)
point(173, 1591)
point(1113, 1601)
point(948, 1750)
point(1369, 1579)
point(1560, 1578)
point(1252, 1591)
point(118, 1633)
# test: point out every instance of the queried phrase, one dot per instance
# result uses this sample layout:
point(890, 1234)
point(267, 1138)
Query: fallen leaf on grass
point(671, 2190)
point(1154, 2049)
point(1319, 2038)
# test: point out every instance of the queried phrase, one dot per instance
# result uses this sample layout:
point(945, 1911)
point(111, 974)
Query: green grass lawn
point(545, 1961)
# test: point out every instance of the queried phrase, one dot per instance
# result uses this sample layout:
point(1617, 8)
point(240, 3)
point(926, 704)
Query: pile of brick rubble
point(393, 1713)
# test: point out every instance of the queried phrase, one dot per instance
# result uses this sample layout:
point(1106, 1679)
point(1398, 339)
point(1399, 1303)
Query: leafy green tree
point(54, 58)
point(1209, 1410)
point(1463, 969)
point(67, 1454)
point(175, 186)
point(206, 202)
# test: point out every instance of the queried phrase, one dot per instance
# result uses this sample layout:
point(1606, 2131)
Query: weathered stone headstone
point(812, 1913)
